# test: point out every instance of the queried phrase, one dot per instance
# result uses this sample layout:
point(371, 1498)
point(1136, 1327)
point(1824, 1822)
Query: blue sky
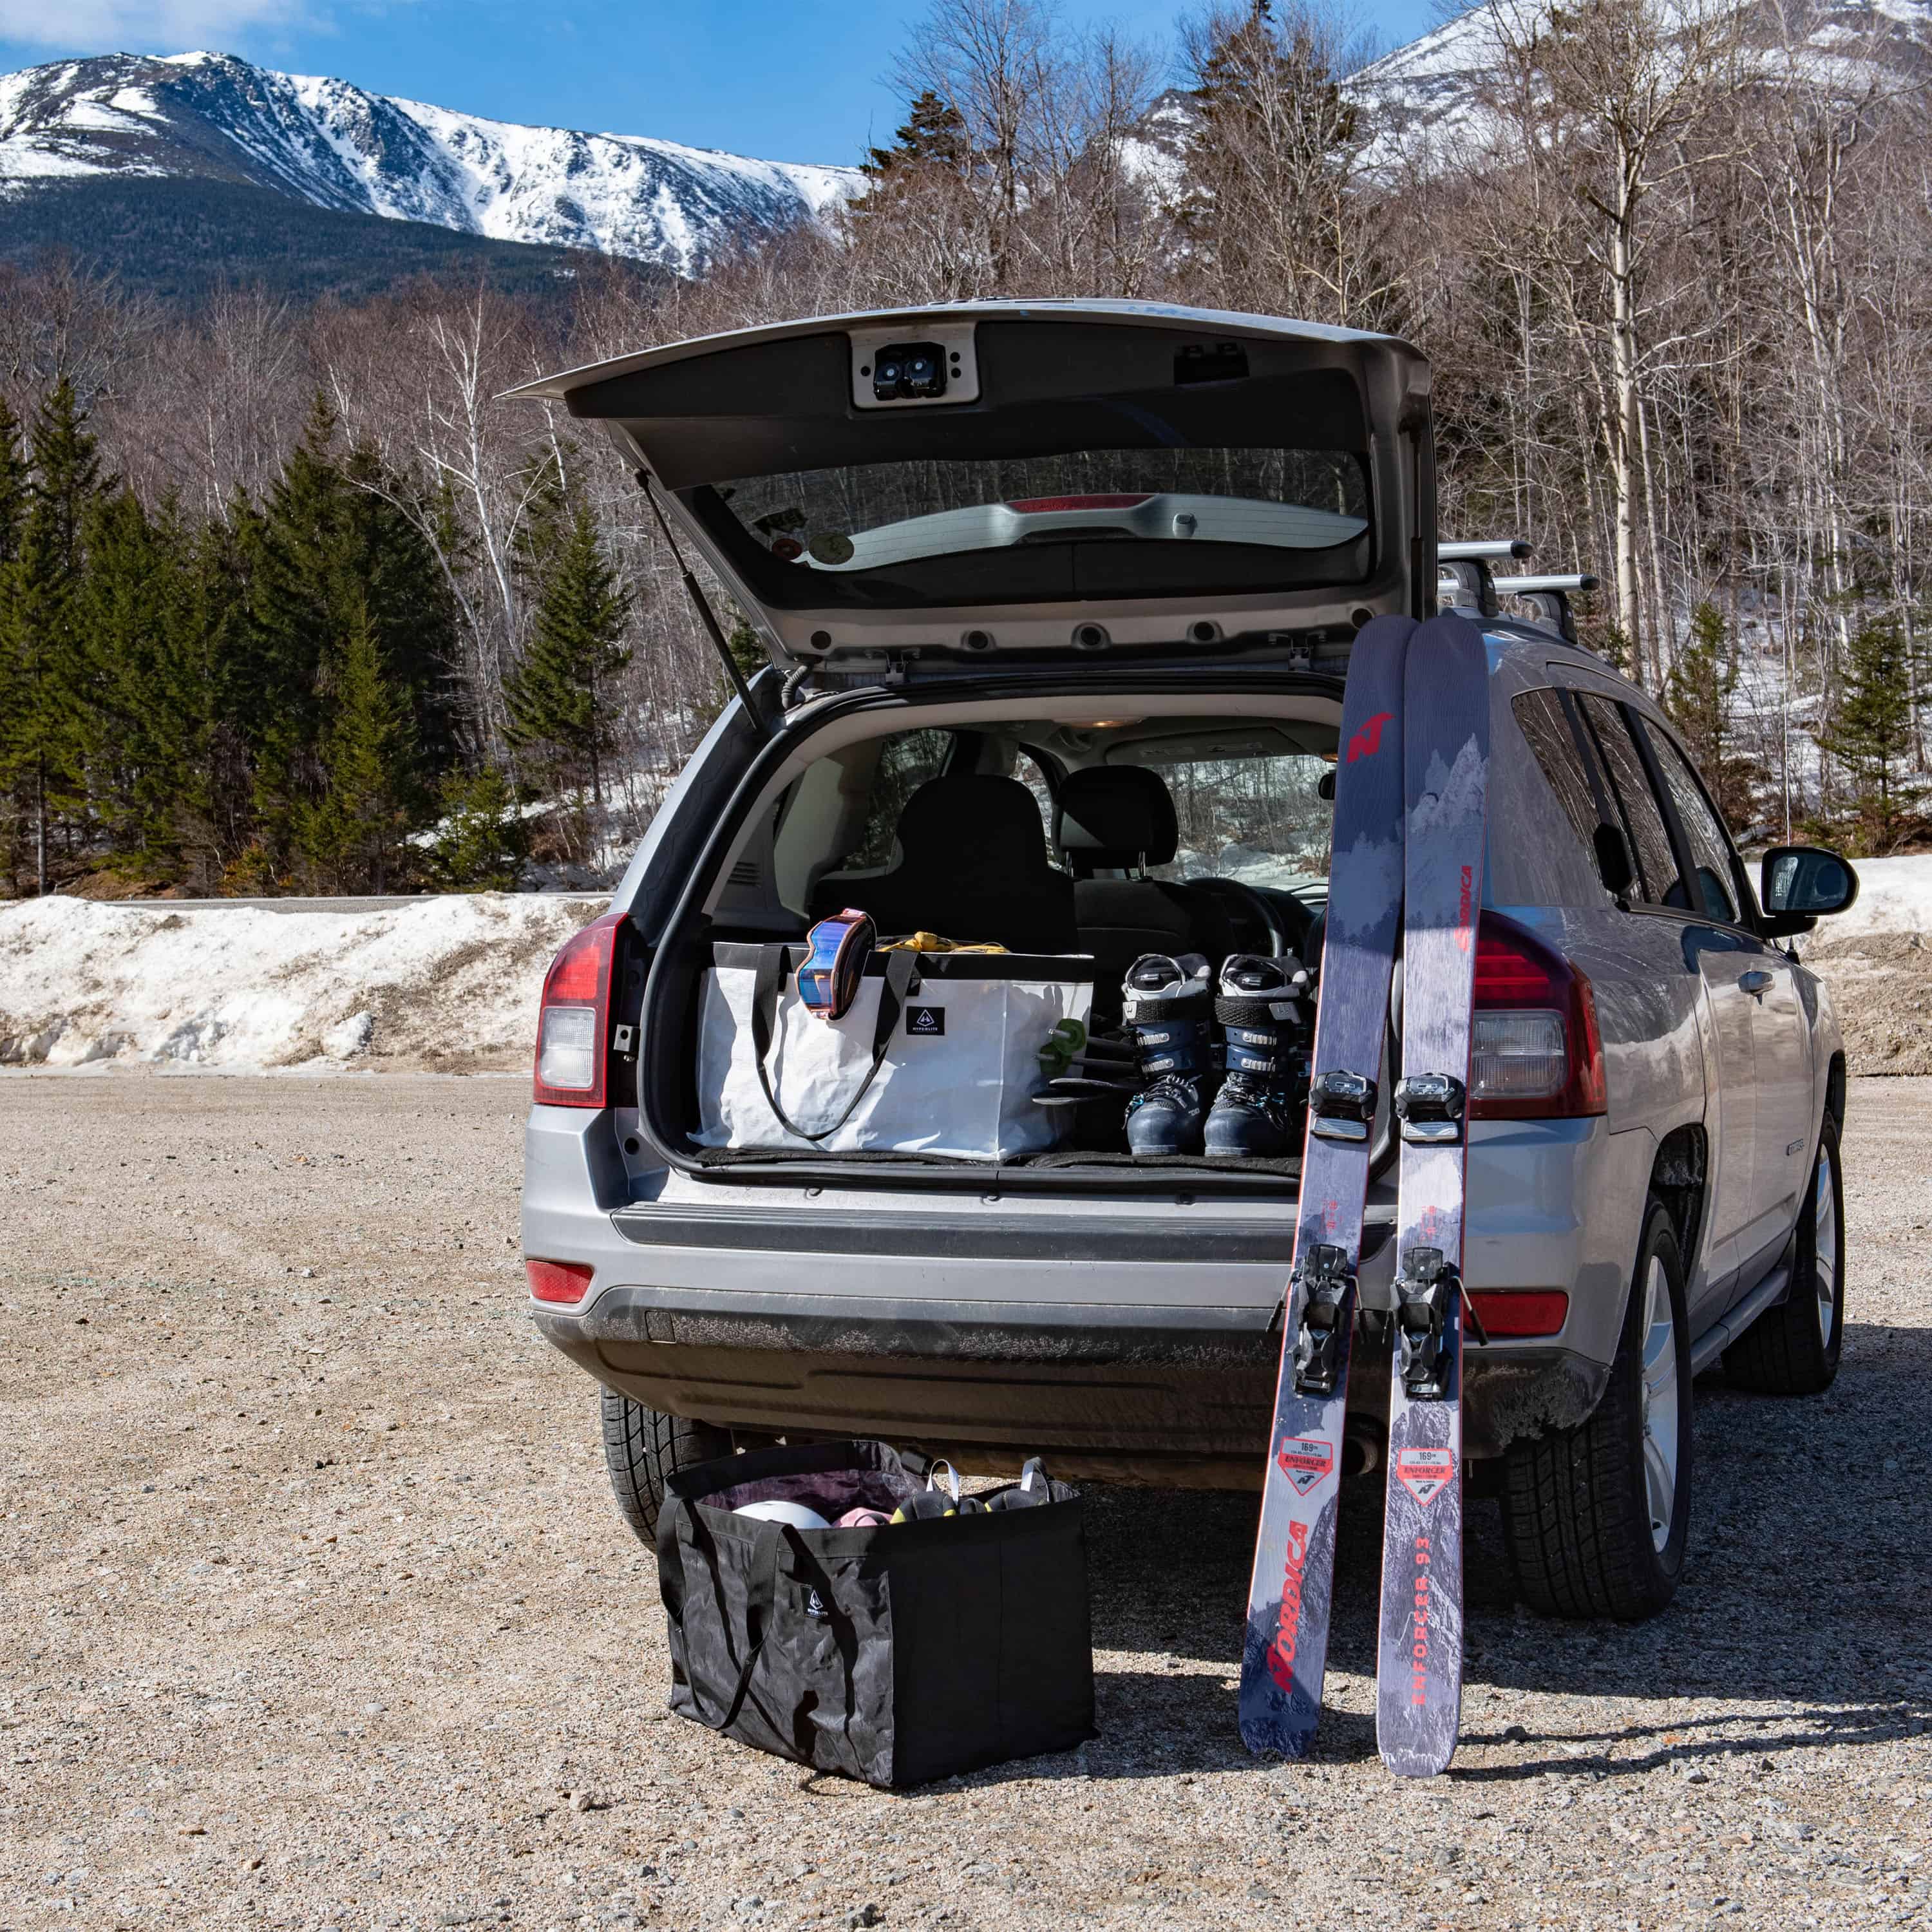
point(801, 82)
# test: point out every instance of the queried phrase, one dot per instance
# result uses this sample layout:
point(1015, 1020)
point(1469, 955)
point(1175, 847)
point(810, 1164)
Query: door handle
point(1754, 981)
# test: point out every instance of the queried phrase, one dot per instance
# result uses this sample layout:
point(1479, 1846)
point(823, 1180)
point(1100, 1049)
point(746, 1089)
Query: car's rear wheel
point(642, 1446)
point(1596, 1518)
point(1793, 1349)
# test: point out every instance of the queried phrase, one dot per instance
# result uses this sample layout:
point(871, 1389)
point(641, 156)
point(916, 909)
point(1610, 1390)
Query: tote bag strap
point(899, 969)
point(761, 1603)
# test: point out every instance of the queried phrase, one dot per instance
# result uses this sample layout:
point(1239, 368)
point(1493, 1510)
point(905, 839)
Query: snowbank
point(449, 983)
point(1895, 896)
point(1875, 961)
point(452, 983)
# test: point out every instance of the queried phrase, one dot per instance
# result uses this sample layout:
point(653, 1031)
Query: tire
point(641, 1446)
point(1793, 1349)
point(1583, 1508)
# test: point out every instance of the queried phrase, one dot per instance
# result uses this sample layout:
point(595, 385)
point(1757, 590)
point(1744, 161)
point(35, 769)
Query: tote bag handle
point(899, 969)
point(760, 1605)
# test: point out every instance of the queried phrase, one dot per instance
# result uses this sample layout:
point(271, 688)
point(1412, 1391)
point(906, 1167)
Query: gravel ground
point(318, 1613)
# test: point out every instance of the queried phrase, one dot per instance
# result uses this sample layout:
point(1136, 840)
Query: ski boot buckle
point(1430, 1107)
point(1427, 1289)
point(1325, 1280)
point(1342, 1106)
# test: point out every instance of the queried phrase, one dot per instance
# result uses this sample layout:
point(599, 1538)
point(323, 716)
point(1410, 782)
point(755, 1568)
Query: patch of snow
point(1895, 896)
point(452, 981)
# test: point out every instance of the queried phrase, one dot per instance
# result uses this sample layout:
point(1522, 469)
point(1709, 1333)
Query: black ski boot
point(1169, 1005)
point(1263, 1009)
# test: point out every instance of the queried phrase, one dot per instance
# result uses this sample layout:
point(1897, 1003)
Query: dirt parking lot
point(317, 1612)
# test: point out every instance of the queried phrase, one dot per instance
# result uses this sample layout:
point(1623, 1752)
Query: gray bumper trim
point(976, 1237)
point(990, 1331)
point(1035, 1237)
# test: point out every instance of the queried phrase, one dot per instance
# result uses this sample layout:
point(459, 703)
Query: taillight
point(558, 1281)
point(1520, 1311)
point(573, 1022)
point(1534, 1050)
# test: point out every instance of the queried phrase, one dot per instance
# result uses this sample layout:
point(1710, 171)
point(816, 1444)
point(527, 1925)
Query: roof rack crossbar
point(1490, 549)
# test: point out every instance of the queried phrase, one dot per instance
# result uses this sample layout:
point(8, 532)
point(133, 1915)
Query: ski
point(1446, 751)
point(1285, 1648)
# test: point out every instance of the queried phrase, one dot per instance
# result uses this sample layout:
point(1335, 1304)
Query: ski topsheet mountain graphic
point(211, 117)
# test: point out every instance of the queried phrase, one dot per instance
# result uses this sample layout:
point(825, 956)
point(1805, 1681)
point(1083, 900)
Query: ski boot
point(1262, 1006)
point(1169, 1004)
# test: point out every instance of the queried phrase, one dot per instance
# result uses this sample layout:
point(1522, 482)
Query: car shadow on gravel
point(1803, 1557)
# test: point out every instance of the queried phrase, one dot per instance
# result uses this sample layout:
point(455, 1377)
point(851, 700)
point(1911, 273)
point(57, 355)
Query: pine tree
point(933, 135)
point(337, 546)
point(351, 836)
point(43, 734)
point(296, 563)
point(134, 769)
point(14, 499)
point(481, 840)
point(1871, 735)
point(562, 707)
point(15, 476)
point(1697, 695)
point(1268, 213)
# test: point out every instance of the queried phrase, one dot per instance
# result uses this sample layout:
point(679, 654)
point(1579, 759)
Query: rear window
point(1643, 821)
point(1539, 714)
point(1703, 831)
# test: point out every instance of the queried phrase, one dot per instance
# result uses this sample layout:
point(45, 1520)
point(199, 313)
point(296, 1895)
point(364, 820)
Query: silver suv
point(1001, 554)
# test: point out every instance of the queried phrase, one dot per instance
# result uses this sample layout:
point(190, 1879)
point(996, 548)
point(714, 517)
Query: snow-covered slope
point(211, 116)
point(1429, 94)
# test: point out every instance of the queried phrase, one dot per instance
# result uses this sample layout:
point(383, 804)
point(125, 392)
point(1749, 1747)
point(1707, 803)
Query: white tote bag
point(939, 1053)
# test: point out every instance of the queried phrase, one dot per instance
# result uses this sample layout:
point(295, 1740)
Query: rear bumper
point(1132, 1337)
point(1162, 1394)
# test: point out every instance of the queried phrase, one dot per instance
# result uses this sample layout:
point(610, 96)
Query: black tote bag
point(897, 1655)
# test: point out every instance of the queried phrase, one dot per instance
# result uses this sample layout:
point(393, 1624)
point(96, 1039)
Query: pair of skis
point(1407, 856)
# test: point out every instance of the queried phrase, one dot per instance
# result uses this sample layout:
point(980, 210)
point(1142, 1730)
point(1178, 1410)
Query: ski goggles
point(835, 953)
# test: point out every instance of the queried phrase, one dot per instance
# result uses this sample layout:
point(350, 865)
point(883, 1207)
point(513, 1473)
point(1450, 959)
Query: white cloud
point(145, 26)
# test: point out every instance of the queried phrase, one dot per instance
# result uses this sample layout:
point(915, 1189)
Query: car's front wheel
point(642, 1446)
point(1596, 1517)
point(1793, 1349)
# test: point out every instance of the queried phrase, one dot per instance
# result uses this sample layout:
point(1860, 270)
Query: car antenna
point(702, 605)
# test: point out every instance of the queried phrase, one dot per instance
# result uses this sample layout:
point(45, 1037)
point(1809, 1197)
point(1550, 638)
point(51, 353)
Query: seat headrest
point(991, 820)
point(1115, 815)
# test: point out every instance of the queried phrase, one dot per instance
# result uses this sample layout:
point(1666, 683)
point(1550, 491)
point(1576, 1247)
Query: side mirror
point(1799, 884)
point(1613, 860)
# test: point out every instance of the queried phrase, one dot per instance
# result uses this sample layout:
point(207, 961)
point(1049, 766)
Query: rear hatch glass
point(1104, 521)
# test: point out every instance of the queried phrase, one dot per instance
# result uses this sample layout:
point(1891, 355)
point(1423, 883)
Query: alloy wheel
point(1660, 1402)
point(1825, 1247)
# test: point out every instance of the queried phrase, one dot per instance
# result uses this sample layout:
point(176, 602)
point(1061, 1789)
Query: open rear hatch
point(1048, 498)
point(982, 479)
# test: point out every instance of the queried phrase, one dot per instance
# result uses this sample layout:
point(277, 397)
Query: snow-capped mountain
point(1429, 95)
point(211, 117)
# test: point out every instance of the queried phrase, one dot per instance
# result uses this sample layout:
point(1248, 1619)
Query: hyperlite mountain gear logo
point(815, 1604)
point(1304, 1460)
point(1425, 1473)
point(928, 1021)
